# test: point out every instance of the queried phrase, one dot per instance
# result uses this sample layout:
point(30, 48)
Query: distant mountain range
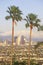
point(2, 38)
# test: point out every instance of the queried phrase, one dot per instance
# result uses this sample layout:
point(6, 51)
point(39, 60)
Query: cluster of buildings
point(20, 51)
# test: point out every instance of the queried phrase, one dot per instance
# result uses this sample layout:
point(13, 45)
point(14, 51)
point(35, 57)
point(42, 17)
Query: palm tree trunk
point(12, 40)
point(12, 32)
point(30, 43)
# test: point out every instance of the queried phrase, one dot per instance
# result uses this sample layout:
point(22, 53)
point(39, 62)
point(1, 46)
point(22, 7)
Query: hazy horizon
point(36, 36)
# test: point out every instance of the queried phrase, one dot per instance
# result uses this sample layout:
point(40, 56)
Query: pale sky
point(26, 6)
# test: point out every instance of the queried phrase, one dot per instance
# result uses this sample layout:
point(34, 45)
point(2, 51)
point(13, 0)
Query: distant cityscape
point(9, 38)
point(20, 49)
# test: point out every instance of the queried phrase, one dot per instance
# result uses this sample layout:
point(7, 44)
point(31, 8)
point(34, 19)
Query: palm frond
point(37, 20)
point(7, 17)
point(9, 10)
point(27, 25)
point(26, 20)
point(36, 24)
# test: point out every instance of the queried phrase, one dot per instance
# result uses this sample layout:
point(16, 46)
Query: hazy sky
point(26, 6)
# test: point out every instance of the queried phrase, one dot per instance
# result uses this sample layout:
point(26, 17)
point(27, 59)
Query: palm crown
point(14, 13)
point(31, 19)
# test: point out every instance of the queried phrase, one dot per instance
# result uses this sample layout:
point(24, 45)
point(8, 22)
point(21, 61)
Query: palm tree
point(31, 21)
point(15, 15)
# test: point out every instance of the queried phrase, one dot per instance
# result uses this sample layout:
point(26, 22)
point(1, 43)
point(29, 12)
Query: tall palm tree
point(14, 14)
point(31, 21)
